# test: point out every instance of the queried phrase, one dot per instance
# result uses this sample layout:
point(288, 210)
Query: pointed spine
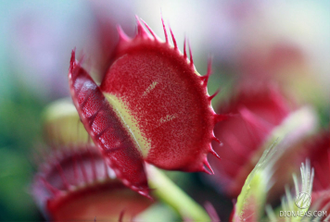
point(150, 30)
point(205, 78)
point(190, 55)
point(145, 193)
point(216, 139)
point(83, 170)
point(184, 48)
point(122, 35)
point(208, 166)
point(72, 60)
point(141, 31)
point(165, 32)
point(211, 150)
point(61, 173)
point(173, 39)
point(50, 187)
point(214, 95)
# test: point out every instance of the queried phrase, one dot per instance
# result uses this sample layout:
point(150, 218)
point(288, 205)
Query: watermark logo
point(303, 200)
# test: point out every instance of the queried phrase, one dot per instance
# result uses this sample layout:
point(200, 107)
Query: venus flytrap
point(152, 106)
point(152, 110)
point(264, 113)
point(75, 183)
point(75, 176)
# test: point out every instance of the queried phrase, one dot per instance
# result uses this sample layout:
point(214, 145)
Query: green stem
point(171, 194)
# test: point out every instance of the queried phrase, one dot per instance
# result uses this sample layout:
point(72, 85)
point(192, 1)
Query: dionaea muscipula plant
point(260, 108)
point(152, 105)
point(264, 113)
point(75, 183)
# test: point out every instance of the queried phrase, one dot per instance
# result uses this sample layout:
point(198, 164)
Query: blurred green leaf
point(15, 176)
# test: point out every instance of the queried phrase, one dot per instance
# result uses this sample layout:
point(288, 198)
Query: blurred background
point(285, 41)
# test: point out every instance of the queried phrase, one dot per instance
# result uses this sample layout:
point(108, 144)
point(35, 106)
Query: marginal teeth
point(165, 32)
point(214, 153)
point(209, 168)
point(190, 55)
point(184, 48)
point(150, 30)
point(86, 169)
point(173, 39)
